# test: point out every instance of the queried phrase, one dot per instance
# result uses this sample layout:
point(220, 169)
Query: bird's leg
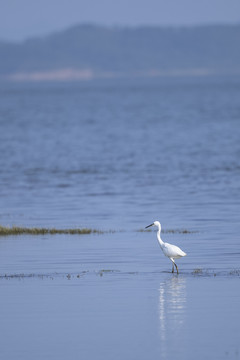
point(173, 268)
point(176, 268)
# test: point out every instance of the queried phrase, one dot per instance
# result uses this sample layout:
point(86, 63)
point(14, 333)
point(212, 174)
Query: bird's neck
point(161, 243)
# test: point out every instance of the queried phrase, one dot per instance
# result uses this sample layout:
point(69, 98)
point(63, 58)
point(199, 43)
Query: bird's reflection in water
point(172, 306)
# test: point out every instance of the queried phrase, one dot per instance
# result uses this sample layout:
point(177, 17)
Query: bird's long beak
point(149, 226)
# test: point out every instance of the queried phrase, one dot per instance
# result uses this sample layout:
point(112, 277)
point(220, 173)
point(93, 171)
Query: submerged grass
point(210, 272)
point(16, 230)
point(198, 272)
point(235, 272)
point(179, 231)
point(171, 231)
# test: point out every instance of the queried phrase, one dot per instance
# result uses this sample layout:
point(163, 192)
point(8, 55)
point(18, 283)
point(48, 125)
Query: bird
point(169, 250)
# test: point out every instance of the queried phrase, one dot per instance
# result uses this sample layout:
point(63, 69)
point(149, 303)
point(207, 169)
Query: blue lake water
point(117, 155)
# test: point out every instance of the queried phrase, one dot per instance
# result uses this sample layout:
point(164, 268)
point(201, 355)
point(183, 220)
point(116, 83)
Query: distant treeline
point(89, 50)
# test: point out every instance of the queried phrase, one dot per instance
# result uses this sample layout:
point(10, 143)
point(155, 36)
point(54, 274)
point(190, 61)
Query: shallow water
point(105, 296)
point(116, 156)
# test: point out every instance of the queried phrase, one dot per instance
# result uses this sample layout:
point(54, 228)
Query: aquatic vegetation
point(16, 230)
point(235, 272)
point(19, 230)
point(197, 271)
point(24, 276)
point(51, 276)
point(179, 231)
point(82, 273)
point(171, 231)
point(68, 275)
point(103, 271)
point(211, 272)
point(204, 272)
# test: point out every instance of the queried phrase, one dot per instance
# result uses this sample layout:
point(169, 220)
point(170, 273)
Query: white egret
point(169, 250)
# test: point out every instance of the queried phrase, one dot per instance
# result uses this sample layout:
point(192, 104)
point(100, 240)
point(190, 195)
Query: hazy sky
point(20, 19)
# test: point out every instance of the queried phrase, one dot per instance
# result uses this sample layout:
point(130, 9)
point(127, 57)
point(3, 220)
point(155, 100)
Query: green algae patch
point(16, 230)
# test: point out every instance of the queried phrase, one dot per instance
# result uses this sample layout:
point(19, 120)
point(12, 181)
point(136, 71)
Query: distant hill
point(87, 51)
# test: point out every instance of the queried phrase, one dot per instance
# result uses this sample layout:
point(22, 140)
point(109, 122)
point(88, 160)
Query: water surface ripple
point(117, 155)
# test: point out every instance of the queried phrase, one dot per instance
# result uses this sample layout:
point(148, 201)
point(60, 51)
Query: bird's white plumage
point(172, 251)
point(169, 250)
